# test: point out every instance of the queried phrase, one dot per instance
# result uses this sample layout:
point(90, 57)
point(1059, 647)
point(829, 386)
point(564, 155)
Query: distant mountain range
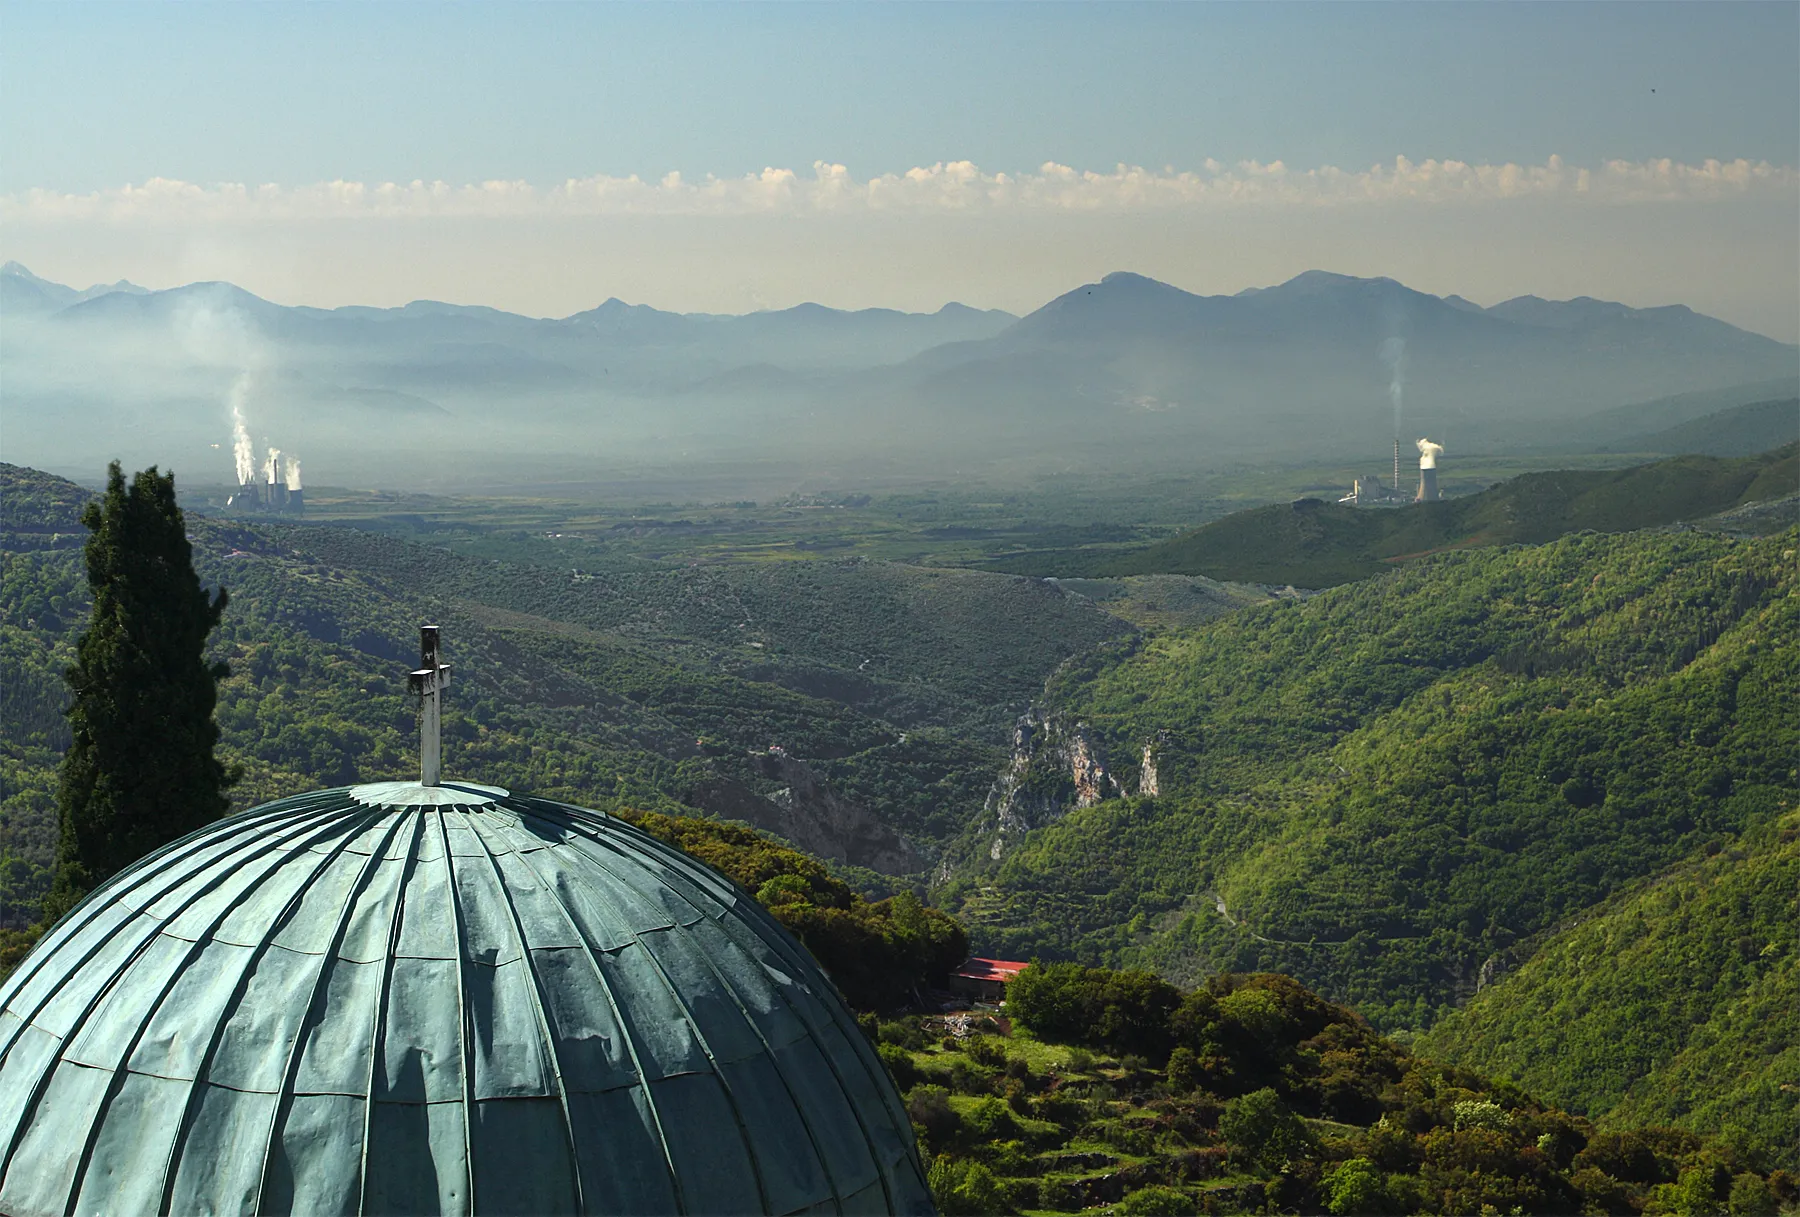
point(1124, 373)
point(1309, 353)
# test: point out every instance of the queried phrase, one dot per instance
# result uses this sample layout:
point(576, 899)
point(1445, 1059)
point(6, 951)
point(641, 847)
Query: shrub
point(1355, 1188)
point(1011, 1157)
point(1626, 1156)
point(986, 1050)
point(1261, 1125)
point(1481, 1113)
point(1156, 1201)
point(929, 1107)
point(905, 1033)
point(1601, 1192)
point(1127, 1138)
point(1696, 1193)
point(990, 1119)
point(1184, 1070)
point(1120, 1011)
point(1751, 1197)
point(965, 1189)
point(1022, 1193)
point(900, 1066)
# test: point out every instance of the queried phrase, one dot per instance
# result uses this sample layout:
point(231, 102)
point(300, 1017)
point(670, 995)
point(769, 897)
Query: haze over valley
point(997, 610)
point(1123, 375)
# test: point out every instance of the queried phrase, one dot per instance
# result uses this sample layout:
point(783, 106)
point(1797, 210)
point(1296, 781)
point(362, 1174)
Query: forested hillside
point(1399, 791)
point(1677, 1002)
point(1384, 788)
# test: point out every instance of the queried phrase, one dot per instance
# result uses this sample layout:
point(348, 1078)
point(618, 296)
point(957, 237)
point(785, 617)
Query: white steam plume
point(292, 472)
point(269, 465)
point(1428, 454)
point(241, 450)
point(1393, 353)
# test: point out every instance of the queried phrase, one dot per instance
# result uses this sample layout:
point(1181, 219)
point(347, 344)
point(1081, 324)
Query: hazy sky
point(1652, 150)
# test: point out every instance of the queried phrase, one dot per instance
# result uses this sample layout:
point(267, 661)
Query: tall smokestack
point(1393, 353)
point(241, 450)
point(296, 497)
point(277, 487)
point(1428, 487)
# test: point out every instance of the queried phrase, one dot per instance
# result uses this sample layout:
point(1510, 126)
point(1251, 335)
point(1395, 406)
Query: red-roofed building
point(986, 979)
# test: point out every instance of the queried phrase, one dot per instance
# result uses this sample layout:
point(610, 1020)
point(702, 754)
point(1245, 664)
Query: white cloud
point(944, 188)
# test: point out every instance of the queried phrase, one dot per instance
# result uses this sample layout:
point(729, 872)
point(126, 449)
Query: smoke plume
point(292, 472)
point(241, 450)
point(269, 465)
point(1393, 353)
point(1428, 454)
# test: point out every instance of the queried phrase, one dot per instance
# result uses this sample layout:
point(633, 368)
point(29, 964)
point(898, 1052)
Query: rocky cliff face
point(809, 813)
point(1149, 784)
point(1057, 765)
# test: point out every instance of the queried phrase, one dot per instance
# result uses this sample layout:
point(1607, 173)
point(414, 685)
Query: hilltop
point(1312, 543)
point(1737, 431)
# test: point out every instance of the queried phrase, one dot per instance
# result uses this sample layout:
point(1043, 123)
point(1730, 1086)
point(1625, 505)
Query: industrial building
point(277, 493)
point(1369, 491)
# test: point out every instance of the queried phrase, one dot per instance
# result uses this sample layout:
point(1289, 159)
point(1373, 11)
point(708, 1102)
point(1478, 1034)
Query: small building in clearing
point(985, 979)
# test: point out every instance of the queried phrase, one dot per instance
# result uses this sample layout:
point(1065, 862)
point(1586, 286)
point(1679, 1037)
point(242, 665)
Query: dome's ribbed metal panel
point(322, 1006)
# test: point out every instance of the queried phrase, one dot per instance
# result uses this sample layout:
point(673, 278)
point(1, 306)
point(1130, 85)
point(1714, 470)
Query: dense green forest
point(1678, 1000)
point(1312, 543)
point(1383, 788)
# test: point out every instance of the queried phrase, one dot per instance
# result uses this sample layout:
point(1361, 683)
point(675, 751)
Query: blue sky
point(97, 100)
point(97, 95)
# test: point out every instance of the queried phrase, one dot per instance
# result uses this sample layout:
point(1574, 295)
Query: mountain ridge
point(1128, 371)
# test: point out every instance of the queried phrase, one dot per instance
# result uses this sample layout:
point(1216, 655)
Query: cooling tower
point(1428, 491)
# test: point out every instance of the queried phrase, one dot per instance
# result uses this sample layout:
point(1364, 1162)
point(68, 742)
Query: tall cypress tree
point(140, 771)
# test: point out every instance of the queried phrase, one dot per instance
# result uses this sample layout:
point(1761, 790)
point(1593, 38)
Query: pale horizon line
point(943, 188)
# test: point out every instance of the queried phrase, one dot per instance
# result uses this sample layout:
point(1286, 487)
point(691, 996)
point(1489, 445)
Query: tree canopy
point(140, 770)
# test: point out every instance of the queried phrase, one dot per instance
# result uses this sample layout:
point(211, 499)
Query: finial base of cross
point(429, 681)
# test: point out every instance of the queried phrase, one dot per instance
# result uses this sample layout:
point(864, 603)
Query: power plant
point(1369, 492)
point(277, 493)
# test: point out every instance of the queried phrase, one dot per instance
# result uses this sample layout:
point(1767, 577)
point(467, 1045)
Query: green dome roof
point(400, 999)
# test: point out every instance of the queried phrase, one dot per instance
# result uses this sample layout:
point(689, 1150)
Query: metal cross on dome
point(431, 679)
